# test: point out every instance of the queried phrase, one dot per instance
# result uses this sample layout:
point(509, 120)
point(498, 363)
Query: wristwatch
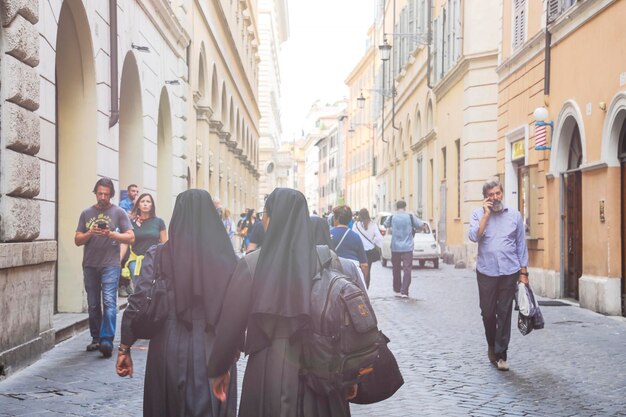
point(123, 350)
point(524, 273)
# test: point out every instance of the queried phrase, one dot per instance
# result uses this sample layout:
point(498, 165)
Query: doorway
point(622, 158)
point(75, 146)
point(573, 217)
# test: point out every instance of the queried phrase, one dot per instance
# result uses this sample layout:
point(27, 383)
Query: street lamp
point(385, 50)
point(541, 115)
point(360, 101)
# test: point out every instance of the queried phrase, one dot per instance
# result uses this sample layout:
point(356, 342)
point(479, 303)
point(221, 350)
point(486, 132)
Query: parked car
point(425, 247)
point(379, 219)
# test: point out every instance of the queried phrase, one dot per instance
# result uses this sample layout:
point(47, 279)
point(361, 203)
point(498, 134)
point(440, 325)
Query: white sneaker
point(502, 365)
point(404, 296)
point(397, 294)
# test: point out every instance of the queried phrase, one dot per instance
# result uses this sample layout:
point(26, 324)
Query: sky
point(327, 40)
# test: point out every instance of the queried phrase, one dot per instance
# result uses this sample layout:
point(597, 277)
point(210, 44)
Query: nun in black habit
point(199, 260)
point(280, 275)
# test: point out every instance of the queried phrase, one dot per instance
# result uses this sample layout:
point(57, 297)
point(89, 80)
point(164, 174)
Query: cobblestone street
point(576, 366)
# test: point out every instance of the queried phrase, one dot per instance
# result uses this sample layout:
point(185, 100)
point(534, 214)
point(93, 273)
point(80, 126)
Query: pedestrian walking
point(502, 261)
point(280, 275)
point(149, 231)
point(198, 261)
point(347, 243)
point(128, 202)
point(371, 238)
point(321, 236)
point(101, 229)
point(229, 225)
point(403, 226)
point(257, 235)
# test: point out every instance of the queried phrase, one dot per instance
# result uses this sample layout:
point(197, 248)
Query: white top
point(370, 236)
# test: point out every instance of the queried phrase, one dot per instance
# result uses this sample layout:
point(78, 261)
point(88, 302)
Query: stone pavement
point(576, 366)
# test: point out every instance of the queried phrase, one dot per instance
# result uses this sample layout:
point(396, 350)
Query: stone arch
point(430, 117)
point(613, 122)
point(202, 87)
point(408, 134)
point(224, 105)
point(231, 119)
point(570, 118)
point(131, 153)
point(76, 145)
point(417, 126)
point(165, 164)
point(214, 91)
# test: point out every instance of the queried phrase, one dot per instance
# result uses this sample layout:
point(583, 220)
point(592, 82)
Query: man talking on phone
point(502, 261)
point(101, 229)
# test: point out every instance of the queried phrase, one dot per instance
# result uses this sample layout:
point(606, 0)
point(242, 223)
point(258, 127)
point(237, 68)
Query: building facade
point(360, 140)
point(106, 88)
point(273, 31)
point(436, 97)
point(572, 194)
point(225, 74)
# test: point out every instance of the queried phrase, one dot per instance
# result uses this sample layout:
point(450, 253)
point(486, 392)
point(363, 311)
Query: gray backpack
point(342, 345)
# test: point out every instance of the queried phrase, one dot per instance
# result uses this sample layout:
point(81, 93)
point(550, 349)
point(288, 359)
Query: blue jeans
point(101, 283)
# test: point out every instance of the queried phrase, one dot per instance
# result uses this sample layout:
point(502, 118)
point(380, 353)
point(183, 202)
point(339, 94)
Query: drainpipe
point(429, 40)
point(547, 54)
point(393, 81)
point(115, 110)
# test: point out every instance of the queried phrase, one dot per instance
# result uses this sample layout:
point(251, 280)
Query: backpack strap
point(363, 234)
point(324, 256)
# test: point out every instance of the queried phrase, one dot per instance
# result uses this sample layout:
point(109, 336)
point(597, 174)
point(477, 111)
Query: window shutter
point(412, 24)
point(553, 9)
point(519, 23)
point(396, 53)
point(436, 52)
point(457, 31)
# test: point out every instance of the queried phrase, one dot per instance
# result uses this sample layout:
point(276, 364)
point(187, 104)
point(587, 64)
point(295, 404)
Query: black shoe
point(106, 348)
point(94, 345)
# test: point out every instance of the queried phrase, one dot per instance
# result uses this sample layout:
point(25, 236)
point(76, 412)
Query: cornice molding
point(170, 28)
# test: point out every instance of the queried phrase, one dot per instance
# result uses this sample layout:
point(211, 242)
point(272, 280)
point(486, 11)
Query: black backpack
point(343, 343)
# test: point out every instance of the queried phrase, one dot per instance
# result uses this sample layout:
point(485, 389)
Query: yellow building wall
point(586, 68)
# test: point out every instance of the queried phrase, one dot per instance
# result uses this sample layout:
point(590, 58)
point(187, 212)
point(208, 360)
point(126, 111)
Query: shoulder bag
point(150, 308)
point(373, 255)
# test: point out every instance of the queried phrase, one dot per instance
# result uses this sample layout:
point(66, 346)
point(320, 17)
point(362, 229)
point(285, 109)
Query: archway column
point(203, 137)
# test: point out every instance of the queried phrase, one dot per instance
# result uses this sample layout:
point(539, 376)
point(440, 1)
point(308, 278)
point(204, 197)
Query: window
point(518, 33)
point(458, 178)
point(558, 7)
point(420, 181)
point(444, 161)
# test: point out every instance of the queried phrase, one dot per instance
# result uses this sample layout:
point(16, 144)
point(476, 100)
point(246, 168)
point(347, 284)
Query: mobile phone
point(102, 225)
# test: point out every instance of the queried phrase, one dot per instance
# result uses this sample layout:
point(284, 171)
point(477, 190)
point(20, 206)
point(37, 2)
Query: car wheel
point(436, 263)
point(422, 263)
point(384, 261)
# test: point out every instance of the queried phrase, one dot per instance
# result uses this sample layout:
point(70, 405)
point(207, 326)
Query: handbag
point(373, 255)
point(385, 378)
point(148, 309)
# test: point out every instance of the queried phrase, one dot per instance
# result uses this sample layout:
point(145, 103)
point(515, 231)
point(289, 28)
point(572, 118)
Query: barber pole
point(540, 135)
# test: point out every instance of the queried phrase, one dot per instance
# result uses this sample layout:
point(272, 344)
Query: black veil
point(285, 269)
point(201, 256)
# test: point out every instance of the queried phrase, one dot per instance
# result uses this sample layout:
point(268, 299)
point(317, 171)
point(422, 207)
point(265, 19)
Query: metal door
point(573, 232)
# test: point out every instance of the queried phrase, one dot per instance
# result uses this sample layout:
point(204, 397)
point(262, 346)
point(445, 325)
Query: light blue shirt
point(502, 247)
point(402, 224)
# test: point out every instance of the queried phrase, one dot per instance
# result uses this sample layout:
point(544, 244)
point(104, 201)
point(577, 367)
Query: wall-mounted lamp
point(360, 102)
point(385, 50)
point(541, 115)
point(172, 82)
point(140, 48)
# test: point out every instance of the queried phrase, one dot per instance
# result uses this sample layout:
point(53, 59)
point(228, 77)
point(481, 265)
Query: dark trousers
point(496, 306)
point(404, 261)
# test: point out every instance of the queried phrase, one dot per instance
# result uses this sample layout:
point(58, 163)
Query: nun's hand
point(220, 386)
